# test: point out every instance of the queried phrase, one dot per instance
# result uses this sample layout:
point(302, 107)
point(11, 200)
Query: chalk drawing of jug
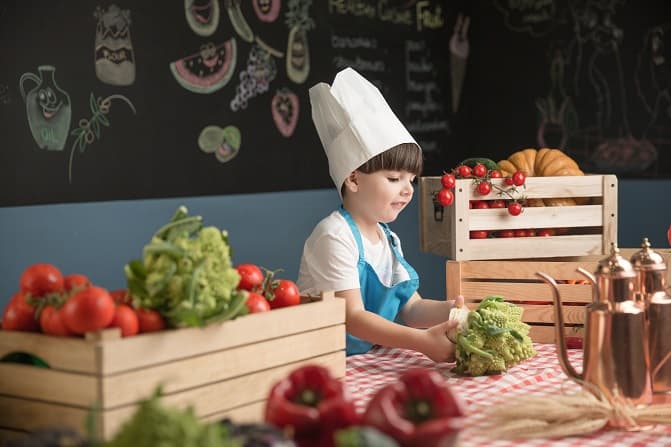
point(48, 109)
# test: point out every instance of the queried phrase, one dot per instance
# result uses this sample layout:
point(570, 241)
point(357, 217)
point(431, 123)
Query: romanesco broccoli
point(186, 274)
point(491, 338)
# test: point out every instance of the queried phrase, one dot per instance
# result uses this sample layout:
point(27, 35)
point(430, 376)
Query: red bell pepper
point(417, 410)
point(312, 404)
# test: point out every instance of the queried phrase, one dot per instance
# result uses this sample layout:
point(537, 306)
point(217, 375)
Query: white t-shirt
point(330, 257)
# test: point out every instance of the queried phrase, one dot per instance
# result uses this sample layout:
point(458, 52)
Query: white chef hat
point(354, 123)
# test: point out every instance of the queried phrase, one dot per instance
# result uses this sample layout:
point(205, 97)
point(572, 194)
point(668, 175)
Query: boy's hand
point(438, 347)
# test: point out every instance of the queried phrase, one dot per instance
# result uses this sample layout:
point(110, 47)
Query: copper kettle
point(615, 356)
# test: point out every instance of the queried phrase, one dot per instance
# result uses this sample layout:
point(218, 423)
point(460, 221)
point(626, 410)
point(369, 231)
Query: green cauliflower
point(186, 274)
point(491, 338)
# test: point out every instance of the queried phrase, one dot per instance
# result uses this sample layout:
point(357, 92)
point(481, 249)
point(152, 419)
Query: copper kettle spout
point(560, 340)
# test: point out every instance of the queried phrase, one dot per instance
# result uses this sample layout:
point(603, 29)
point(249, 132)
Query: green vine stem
point(89, 130)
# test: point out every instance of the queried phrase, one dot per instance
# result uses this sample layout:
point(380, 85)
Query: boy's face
point(382, 195)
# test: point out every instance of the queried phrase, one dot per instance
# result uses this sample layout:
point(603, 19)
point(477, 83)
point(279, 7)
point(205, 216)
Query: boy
point(373, 161)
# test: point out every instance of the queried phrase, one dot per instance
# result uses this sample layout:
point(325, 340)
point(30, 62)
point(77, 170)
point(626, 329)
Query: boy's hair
point(403, 157)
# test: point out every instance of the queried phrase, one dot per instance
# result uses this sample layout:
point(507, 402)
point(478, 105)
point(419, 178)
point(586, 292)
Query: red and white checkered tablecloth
point(541, 375)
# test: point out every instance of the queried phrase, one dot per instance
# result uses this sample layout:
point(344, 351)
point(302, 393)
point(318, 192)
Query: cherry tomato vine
point(483, 185)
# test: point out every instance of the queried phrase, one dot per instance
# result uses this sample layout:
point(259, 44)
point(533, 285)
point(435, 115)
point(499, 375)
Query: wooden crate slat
point(574, 293)
point(530, 247)
point(249, 413)
point(546, 334)
point(537, 217)
point(522, 269)
point(546, 314)
point(124, 388)
point(153, 348)
point(73, 354)
point(46, 384)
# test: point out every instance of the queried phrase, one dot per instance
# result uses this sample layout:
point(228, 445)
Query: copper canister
point(651, 273)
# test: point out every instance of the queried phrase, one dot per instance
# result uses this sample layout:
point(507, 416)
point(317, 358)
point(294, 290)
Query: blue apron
point(378, 298)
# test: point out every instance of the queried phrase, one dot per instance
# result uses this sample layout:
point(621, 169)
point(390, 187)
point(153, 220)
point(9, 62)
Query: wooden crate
point(590, 228)
point(517, 282)
point(222, 370)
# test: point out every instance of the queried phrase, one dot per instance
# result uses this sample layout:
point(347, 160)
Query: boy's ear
point(352, 181)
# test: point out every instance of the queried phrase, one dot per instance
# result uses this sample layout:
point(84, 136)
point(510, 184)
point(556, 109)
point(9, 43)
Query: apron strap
point(355, 231)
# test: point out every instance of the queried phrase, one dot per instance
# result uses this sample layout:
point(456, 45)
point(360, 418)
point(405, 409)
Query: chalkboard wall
point(147, 99)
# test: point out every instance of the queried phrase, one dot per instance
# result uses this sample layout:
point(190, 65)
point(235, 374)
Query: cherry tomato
point(520, 233)
point(479, 170)
point(515, 208)
point(480, 204)
point(545, 232)
point(508, 181)
point(505, 233)
point(519, 178)
point(478, 234)
point(464, 171)
point(75, 281)
point(497, 204)
point(668, 234)
point(495, 173)
point(448, 181)
point(19, 315)
point(41, 279)
point(285, 293)
point(251, 277)
point(445, 197)
point(484, 188)
point(257, 303)
point(51, 322)
point(126, 319)
point(150, 320)
point(88, 310)
point(531, 232)
point(573, 342)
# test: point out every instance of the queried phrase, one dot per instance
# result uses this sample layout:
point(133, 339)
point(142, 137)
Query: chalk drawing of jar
point(48, 109)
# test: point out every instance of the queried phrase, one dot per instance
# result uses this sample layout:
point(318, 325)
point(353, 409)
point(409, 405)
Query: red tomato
point(478, 234)
point(480, 204)
point(19, 315)
point(448, 181)
point(497, 204)
point(545, 232)
point(479, 170)
point(257, 303)
point(125, 319)
point(285, 293)
point(445, 197)
point(121, 296)
point(251, 277)
point(495, 173)
point(506, 233)
point(40, 279)
point(519, 178)
point(150, 320)
point(88, 310)
point(75, 281)
point(51, 322)
point(464, 171)
point(668, 234)
point(515, 208)
point(520, 233)
point(573, 342)
point(484, 188)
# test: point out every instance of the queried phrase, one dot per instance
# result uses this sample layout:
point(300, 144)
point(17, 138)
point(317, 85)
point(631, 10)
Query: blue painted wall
point(98, 238)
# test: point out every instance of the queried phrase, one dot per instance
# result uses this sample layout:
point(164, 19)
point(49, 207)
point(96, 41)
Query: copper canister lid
point(615, 266)
point(647, 259)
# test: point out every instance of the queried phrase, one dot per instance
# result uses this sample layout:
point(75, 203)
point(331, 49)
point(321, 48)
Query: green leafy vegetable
point(186, 274)
point(491, 338)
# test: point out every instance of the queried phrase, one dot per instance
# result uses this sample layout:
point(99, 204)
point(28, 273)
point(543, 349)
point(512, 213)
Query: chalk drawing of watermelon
point(208, 70)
